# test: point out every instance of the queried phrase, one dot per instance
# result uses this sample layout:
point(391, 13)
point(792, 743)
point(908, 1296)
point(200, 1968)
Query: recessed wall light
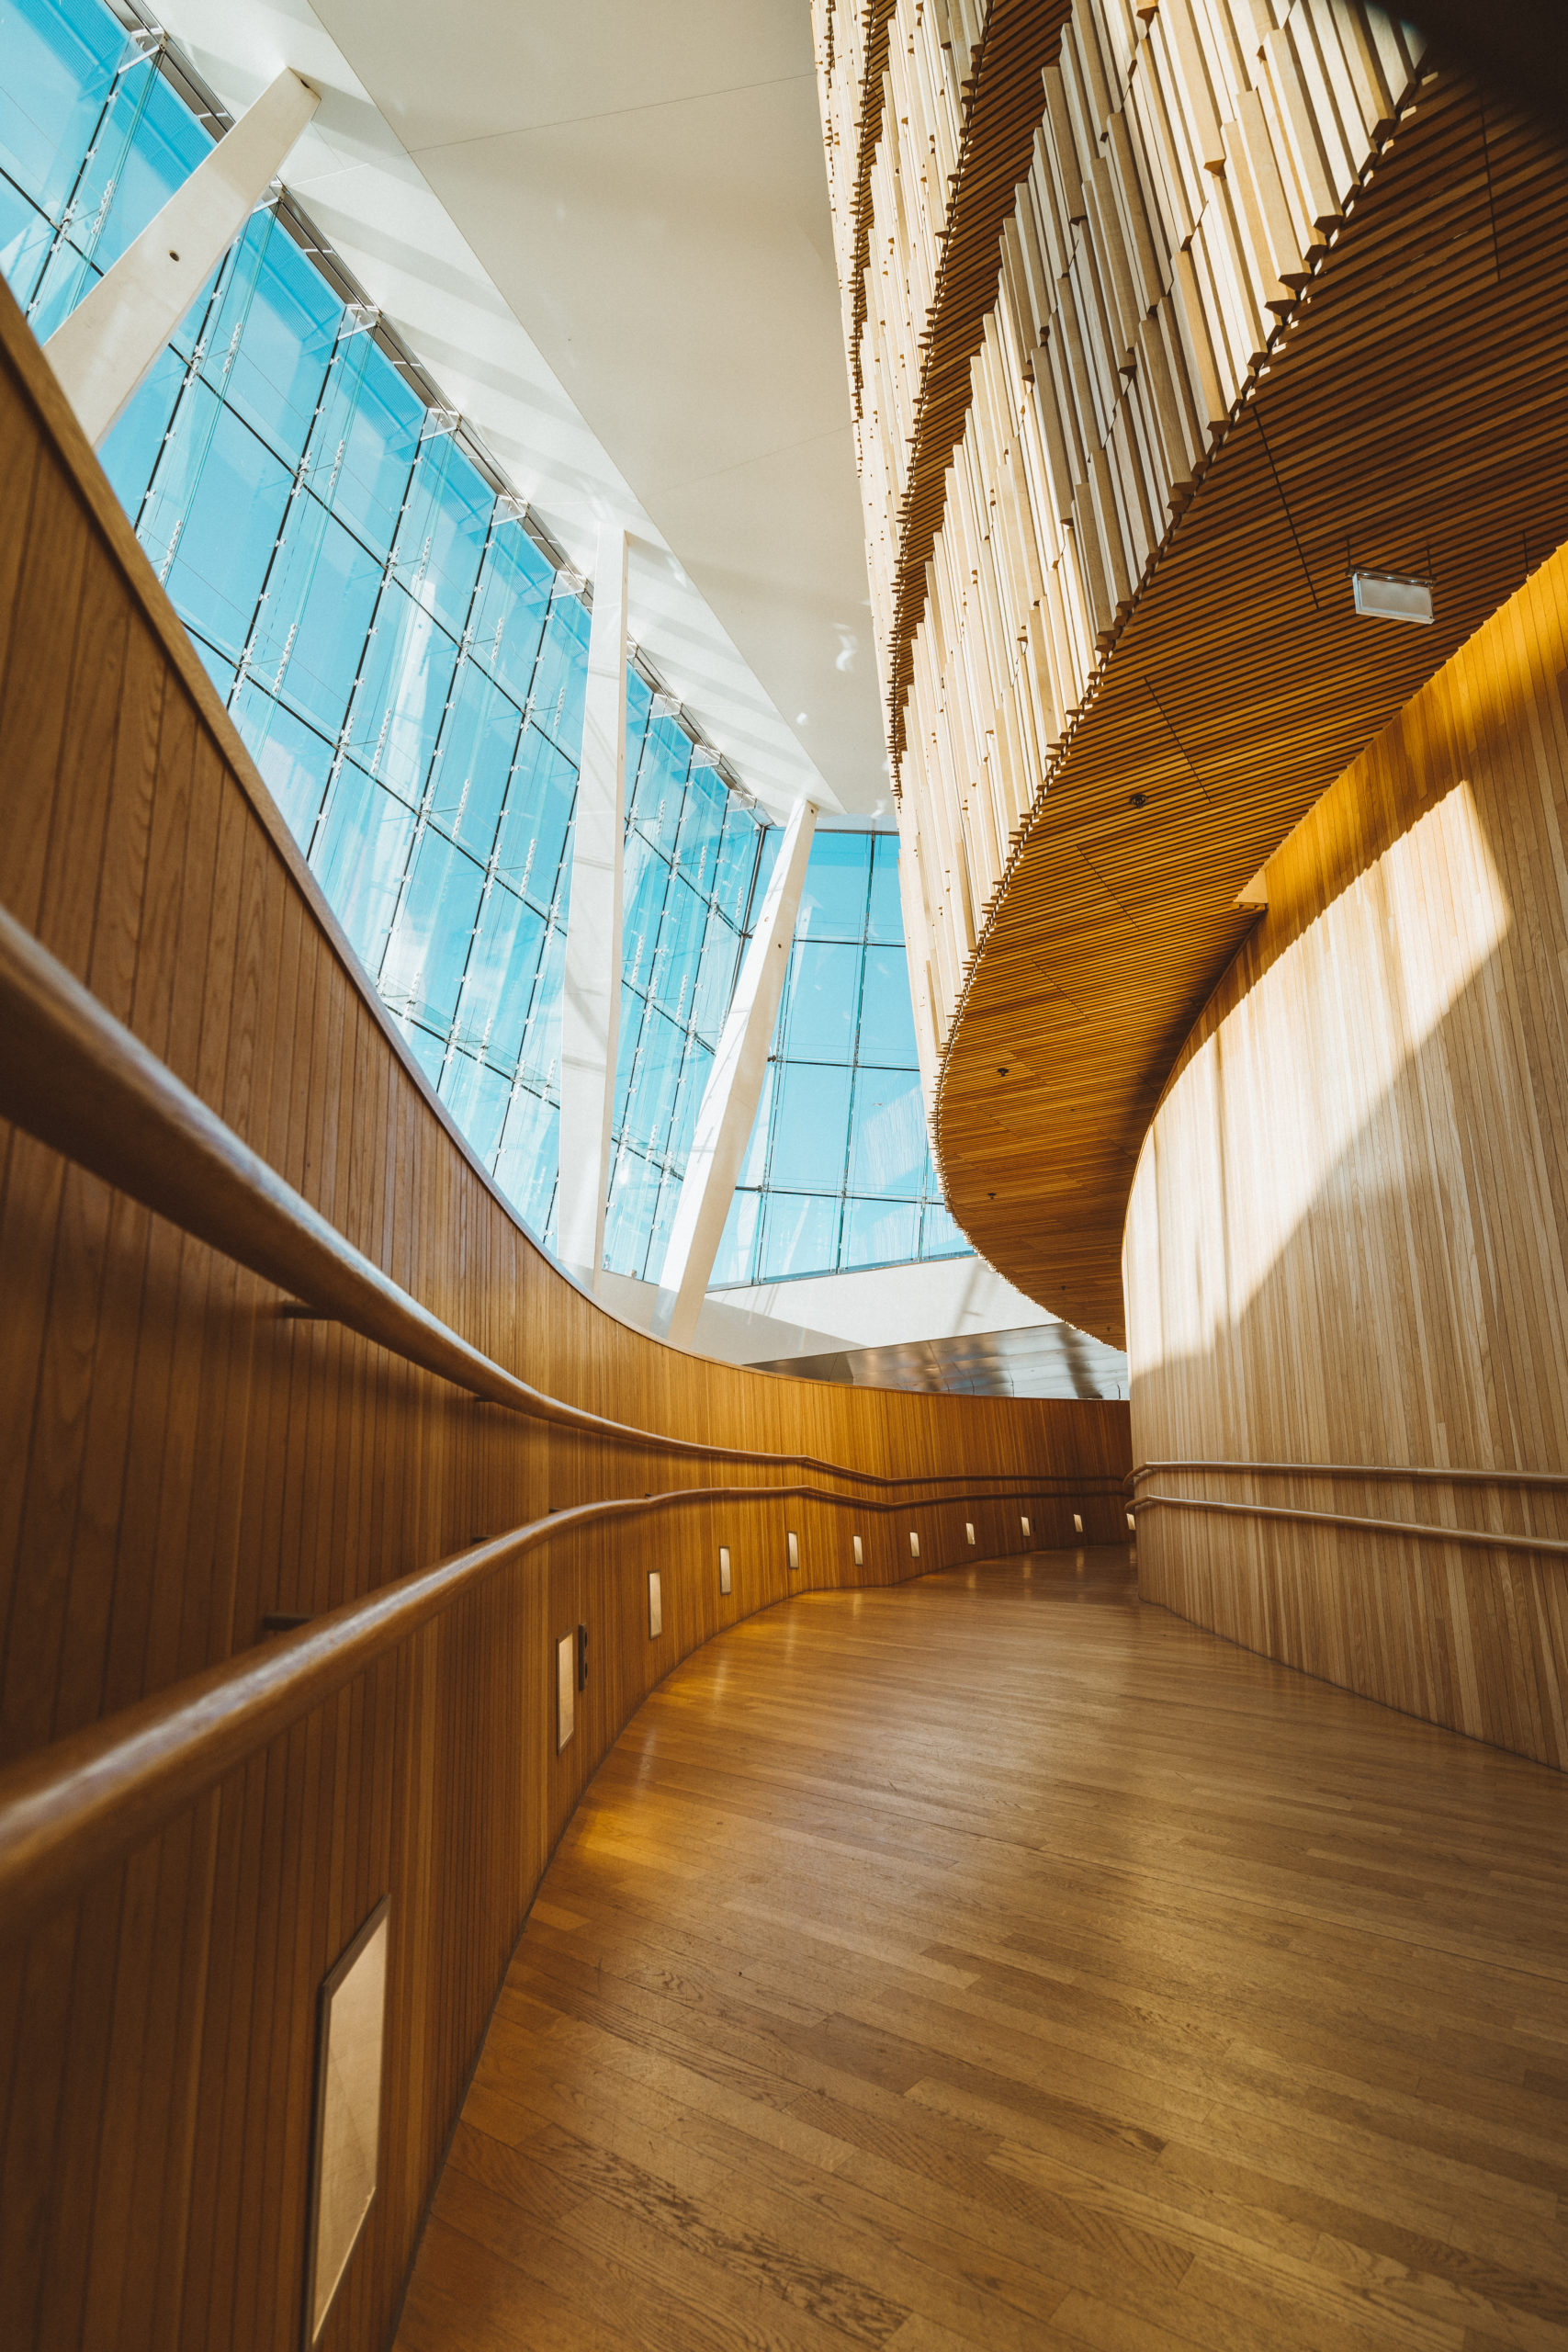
point(1077, 1523)
point(793, 1549)
point(655, 1605)
point(969, 1529)
point(1392, 596)
point(859, 1553)
point(1028, 1531)
point(914, 1544)
point(724, 1567)
point(566, 1689)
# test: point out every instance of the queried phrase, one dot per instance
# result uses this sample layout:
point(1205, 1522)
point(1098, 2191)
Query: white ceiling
point(605, 230)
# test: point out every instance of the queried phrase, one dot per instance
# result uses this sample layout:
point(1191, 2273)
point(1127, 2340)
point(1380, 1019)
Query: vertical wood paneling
point(180, 1456)
point(1347, 1240)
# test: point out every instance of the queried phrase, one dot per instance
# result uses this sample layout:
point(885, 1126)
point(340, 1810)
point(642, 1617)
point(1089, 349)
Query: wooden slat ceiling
point(878, 16)
point(1021, 38)
point(1413, 415)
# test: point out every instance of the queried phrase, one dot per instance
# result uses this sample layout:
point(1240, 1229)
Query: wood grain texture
point(180, 1458)
point(993, 1962)
point(1348, 1234)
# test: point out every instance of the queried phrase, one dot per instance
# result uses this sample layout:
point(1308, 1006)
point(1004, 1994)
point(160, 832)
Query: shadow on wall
point(1346, 1237)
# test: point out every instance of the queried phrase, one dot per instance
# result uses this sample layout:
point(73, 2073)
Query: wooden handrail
point(1545, 1478)
point(1421, 1531)
point(71, 1808)
point(77, 1079)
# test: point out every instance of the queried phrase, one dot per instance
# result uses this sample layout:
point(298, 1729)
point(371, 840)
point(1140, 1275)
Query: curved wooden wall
point(182, 1455)
point(1348, 1242)
point(1270, 298)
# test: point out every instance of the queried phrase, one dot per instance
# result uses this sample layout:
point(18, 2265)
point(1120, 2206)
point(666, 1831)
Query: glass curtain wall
point(407, 667)
point(837, 1174)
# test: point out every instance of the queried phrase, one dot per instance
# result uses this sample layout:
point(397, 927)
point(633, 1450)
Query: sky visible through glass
point(407, 669)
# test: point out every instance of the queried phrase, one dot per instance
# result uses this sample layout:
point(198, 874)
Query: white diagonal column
point(591, 996)
point(106, 347)
point(734, 1088)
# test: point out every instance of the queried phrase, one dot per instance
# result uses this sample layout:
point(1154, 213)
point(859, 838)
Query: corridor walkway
point(993, 1962)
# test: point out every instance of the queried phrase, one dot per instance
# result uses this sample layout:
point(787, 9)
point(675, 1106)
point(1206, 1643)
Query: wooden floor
point(995, 1961)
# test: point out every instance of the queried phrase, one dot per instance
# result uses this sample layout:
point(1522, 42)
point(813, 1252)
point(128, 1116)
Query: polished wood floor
point(995, 1961)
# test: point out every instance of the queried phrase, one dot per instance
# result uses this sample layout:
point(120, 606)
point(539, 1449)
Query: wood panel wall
point(1347, 1240)
point(180, 1456)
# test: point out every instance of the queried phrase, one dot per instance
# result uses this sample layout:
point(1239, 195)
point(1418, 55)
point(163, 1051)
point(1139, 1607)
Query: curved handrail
point(68, 1809)
point(80, 1081)
point(1420, 1531)
point(1379, 1470)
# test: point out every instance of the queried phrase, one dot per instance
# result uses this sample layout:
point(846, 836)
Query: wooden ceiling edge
point(996, 909)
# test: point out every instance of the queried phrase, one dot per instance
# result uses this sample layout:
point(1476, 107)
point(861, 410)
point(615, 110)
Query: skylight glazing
point(407, 667)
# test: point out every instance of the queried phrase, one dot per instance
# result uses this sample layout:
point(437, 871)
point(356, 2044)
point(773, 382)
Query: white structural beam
point(734, 1088)
point(112, 337)
point(591, 997)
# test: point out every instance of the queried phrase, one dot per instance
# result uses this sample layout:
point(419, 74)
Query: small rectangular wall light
point(566, 1689)
point(859, 1553)
point(1392, 596)
point(1077, 1523)
point(793, 1549)
point(1028, 1531)
point(724, 1567)
point(1132, 1524)
point(969, 1530)
point(347, 2134)
point(914, 1545)
point(655, 1605)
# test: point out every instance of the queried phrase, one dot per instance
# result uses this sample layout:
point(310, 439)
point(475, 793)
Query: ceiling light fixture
point(1392, 596)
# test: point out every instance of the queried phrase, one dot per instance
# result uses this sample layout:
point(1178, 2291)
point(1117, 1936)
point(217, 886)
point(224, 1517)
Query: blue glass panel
point(502, 972)
point(359, 854)
point(633, 1205)
point(402, 692)
point(363, 449)
point(800, 1235)
point(294, 760)
point(659, 794)
point(211, 519)
point(538, 811)
point(24, 234)
point(509, 611)
point(811, 1121)
point(645, 878)
point(887, 1016)
point(737, 864)
point(736, 1259)
point(715, 982)
point(881, 1233)
point(222, 673)
point(443, 533)
point(702, 822)
point(129, 452)
point(540, 1055)
point(817, 1017)
point(767, 858)
point(663, 1218)
point(754, 1165)
point(468, 780)
point(940, 1237)
point(428, 951)
point(696, 1071)
point(526, 1163)
point(655, 1079)
point(477, 1099)
point(887, 1151)
point(556, 696)
point(60, 67)
point(886, 918)
point(832, 899)
point(680, 950)
point(428, 1052)
point(149, 143)
point(311, 632)
point(272, 335)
